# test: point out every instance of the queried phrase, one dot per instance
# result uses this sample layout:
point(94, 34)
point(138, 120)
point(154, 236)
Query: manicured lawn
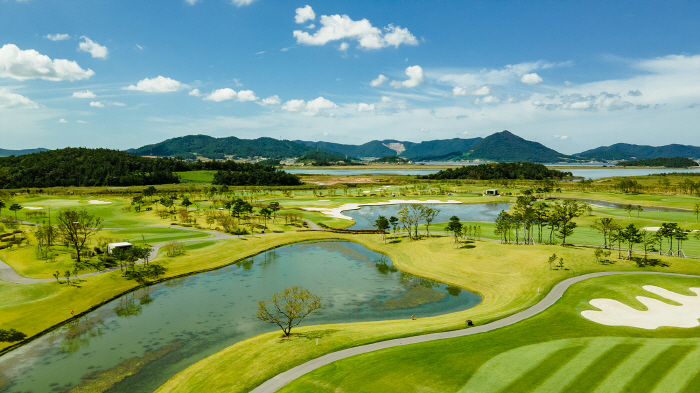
point(555, 351)
point(507, 277)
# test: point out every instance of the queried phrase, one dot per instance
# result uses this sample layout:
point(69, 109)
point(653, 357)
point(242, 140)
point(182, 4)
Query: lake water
point(156, 332)
point(482, 212)
point(587, 173)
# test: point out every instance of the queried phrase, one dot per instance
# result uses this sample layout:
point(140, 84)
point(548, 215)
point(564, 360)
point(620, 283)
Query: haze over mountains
point(502, 146)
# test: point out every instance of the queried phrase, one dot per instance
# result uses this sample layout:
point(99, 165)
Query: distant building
point(118, 246)
point(492, 192)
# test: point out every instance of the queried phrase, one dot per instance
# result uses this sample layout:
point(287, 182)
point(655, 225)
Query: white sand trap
point(337, 212)
point(96, 202)
point(614, 313)
point(651, 229)
point(33, 207)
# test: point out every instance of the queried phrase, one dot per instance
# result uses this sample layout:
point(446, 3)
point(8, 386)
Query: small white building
point(492, 192)
point(121, 246)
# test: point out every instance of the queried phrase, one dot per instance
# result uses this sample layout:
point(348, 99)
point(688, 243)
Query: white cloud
point(482, 91)
point(192, 2)
point(459, 91)
point(272, 100)
point(158, 84)
point(260, 53)
point(561, 137)
point(304, 14)
point(246, 95)
point(30, 64)
point(93, 48)
point(386, 99)
point(310, 108)
point(97, 104)
point(362, 107)
point(415, 78)
point(341, 27)
point(310, 26)
point(378, 82)
point(487, 100)
point(634, 93)
point(117, 103)
point(219, 95)
point(344, 46)
point(11, 100)
point(82, 122)
point(84, 94)
point(503, 76)
point(62, 121)
point(241, 3)
point(531, 79)
point(57, 37)
point(139, 46)
point(195, 93)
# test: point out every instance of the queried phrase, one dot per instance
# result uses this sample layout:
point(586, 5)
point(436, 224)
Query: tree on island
point(288, 308)
point(77, 226)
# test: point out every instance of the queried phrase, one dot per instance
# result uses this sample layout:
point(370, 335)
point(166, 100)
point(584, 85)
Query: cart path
point(277, 382)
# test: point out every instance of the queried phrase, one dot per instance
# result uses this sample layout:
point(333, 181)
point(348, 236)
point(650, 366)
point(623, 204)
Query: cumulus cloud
point(378, 81)
point(344, 46)
point(531, 79)
point(11, 100)
point(57, 37)
point(246, 95)
point(84, 94)
point(581, 102)
point(81, 122)
point(63, 121)
point(463, 91)
point(272, 100)
point(158, 84)
point(192, 2)
point(634, 93)
point(415, 78)
point(310, 108)
point(227, 94)
point(362, 107)
point(117, 103)
point(241, 3)
point(503, 76)
point(97, 104)
point(195, 93)
point(482, 91)
point(459, 91)
point(93, 48)
point(386, 99)
point(487, 100)
point(30, 64)
point(341, 27)
point(304, 14)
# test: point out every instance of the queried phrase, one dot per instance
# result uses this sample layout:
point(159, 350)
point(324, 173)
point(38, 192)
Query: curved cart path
point(277, 382)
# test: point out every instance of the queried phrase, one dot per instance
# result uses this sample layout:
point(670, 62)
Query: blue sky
point(571, 75)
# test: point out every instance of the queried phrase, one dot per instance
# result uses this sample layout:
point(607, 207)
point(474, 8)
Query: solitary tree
point(274, 207)
point(15, 208)
point(265, 212)
point(632, 236)
point(429, 215)
point(696, 209)
point(629, 208)
point(394, 222)
point(455, 227)
point(186, 202)
point(288, 308)
point(77, 226)
point(564, 213)
point(603, 225)
point(551, 260)
point(639, 210)
point(382, 224)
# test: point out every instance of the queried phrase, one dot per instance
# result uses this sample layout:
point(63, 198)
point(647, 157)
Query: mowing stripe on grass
point(657, 368)
point(694, 385)
point(680, 376)
point(601, 367)
point(595, 349)
point(626, 371)
point(533, 378)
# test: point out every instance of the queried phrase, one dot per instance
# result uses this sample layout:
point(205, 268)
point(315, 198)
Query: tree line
point(503, 170)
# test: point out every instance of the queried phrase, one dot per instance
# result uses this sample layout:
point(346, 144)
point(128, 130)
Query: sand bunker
point(33, 207)
point(96, 202)
point(614, 313)
point(338, 211)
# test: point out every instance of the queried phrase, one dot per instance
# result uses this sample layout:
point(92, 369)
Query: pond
point(139, 341)
point(480, 212)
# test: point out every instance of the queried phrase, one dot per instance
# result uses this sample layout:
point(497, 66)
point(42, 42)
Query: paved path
point(277, 382)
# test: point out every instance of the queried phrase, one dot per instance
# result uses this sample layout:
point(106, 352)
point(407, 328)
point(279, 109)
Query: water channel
point(365, 216)
point(139, 341)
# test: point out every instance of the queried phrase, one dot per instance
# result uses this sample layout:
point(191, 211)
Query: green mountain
point(7, 153)
point(219, 148)
point(504, 146)
point(626, 151)
point(390, 147)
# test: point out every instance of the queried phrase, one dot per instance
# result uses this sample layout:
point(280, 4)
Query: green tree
point(77, 226)
point(551, 260)
point(288, 308)
point(628, 209)
point(149, 192)
point(456, 228)
point(274, 207)
point(11, 335)
point(669, 230)
point(382, 224)
point(696, 209)
point(631, 236)
point(186, 202)
point(598, 253)
point(603, 225)
point(15, 208)
point(394, 223)
point(639, 210)
point(266, 212)
point(2, 206)
point(428, 214)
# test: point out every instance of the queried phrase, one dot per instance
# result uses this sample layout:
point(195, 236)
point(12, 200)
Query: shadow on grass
point(311, 335)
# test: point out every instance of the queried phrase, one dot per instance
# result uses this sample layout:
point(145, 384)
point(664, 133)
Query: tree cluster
point(503, 170)
point(534, 218)
point(666, 162)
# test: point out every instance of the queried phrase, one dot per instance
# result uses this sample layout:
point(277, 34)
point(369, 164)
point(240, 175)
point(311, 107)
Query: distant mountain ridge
point(391, 147)
point(7, 153)
point(505, 146)
point(626, 151)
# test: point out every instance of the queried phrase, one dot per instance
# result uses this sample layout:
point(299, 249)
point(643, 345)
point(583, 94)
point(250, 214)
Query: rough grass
point(555, 351)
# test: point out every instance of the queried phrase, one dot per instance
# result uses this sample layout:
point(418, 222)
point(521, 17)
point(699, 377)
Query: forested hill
point(7, 153)
point(504, 170)
point(676, 162)
point(505, 146)
point(219, 148)
point(626, 151)
point(81, 167)
point(84, 167)
point(390, 147)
